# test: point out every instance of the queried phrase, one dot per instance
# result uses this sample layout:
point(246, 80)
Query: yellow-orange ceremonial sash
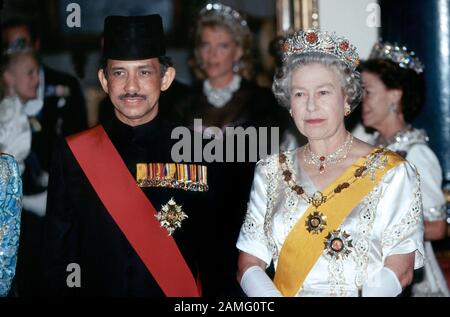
point(302, 249)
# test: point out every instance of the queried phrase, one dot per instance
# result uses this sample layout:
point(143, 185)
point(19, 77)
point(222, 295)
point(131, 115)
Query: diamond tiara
point(225, 12)
point(398, 55)
point(317, 41)
point(18, 46)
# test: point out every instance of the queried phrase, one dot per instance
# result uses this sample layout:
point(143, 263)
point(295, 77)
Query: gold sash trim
point(301, 249)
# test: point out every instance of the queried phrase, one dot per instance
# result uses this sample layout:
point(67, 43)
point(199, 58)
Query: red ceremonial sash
point(132, 212)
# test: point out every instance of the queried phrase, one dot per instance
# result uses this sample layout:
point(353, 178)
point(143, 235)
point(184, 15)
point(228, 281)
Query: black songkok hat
point(133, 37)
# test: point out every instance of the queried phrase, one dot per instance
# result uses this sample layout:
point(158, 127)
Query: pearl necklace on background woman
point(218, 97)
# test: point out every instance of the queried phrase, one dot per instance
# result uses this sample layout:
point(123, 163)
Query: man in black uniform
point(118, 207)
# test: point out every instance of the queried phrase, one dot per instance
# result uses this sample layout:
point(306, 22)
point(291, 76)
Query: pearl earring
point(236, 66)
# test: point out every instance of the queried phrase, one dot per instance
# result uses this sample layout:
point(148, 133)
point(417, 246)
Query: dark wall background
point(423, 26)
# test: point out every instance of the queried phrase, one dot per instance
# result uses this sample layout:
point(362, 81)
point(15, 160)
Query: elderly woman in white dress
point(19, 80)
point(336, 217)
point(394, 95)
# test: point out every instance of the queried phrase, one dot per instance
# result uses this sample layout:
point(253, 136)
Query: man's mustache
point(136, 96)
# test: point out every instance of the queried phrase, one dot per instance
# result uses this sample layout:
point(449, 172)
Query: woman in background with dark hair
point(394, 95)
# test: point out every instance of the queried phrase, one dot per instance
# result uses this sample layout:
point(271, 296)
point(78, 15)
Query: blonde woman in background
point(226, 96)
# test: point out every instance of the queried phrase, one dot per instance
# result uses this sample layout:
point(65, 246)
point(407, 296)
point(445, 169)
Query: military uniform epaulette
point(189, 177)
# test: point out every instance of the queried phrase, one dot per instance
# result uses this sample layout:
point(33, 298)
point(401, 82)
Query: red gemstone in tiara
point(315, 41)
point(312, 38)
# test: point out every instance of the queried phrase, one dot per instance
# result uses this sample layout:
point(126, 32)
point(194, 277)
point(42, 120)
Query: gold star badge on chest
point(171, 216)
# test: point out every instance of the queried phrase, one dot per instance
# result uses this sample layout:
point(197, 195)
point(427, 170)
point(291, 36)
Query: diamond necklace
point(393, 139)
point(218, 97)
point(336, 157)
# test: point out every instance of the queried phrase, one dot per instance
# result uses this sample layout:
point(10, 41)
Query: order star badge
point(338, 244)
point(316, 222)
point(171, 216)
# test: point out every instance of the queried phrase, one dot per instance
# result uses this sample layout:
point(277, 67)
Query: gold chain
point(317, 199)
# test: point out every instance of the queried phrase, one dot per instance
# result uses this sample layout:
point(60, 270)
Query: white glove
point(256, 283)
point(383, 284)
point(35, 203)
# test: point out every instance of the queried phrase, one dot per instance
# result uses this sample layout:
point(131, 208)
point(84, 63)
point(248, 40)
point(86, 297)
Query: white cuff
point(35, 203)
point(256, 283)
point(383, 284)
